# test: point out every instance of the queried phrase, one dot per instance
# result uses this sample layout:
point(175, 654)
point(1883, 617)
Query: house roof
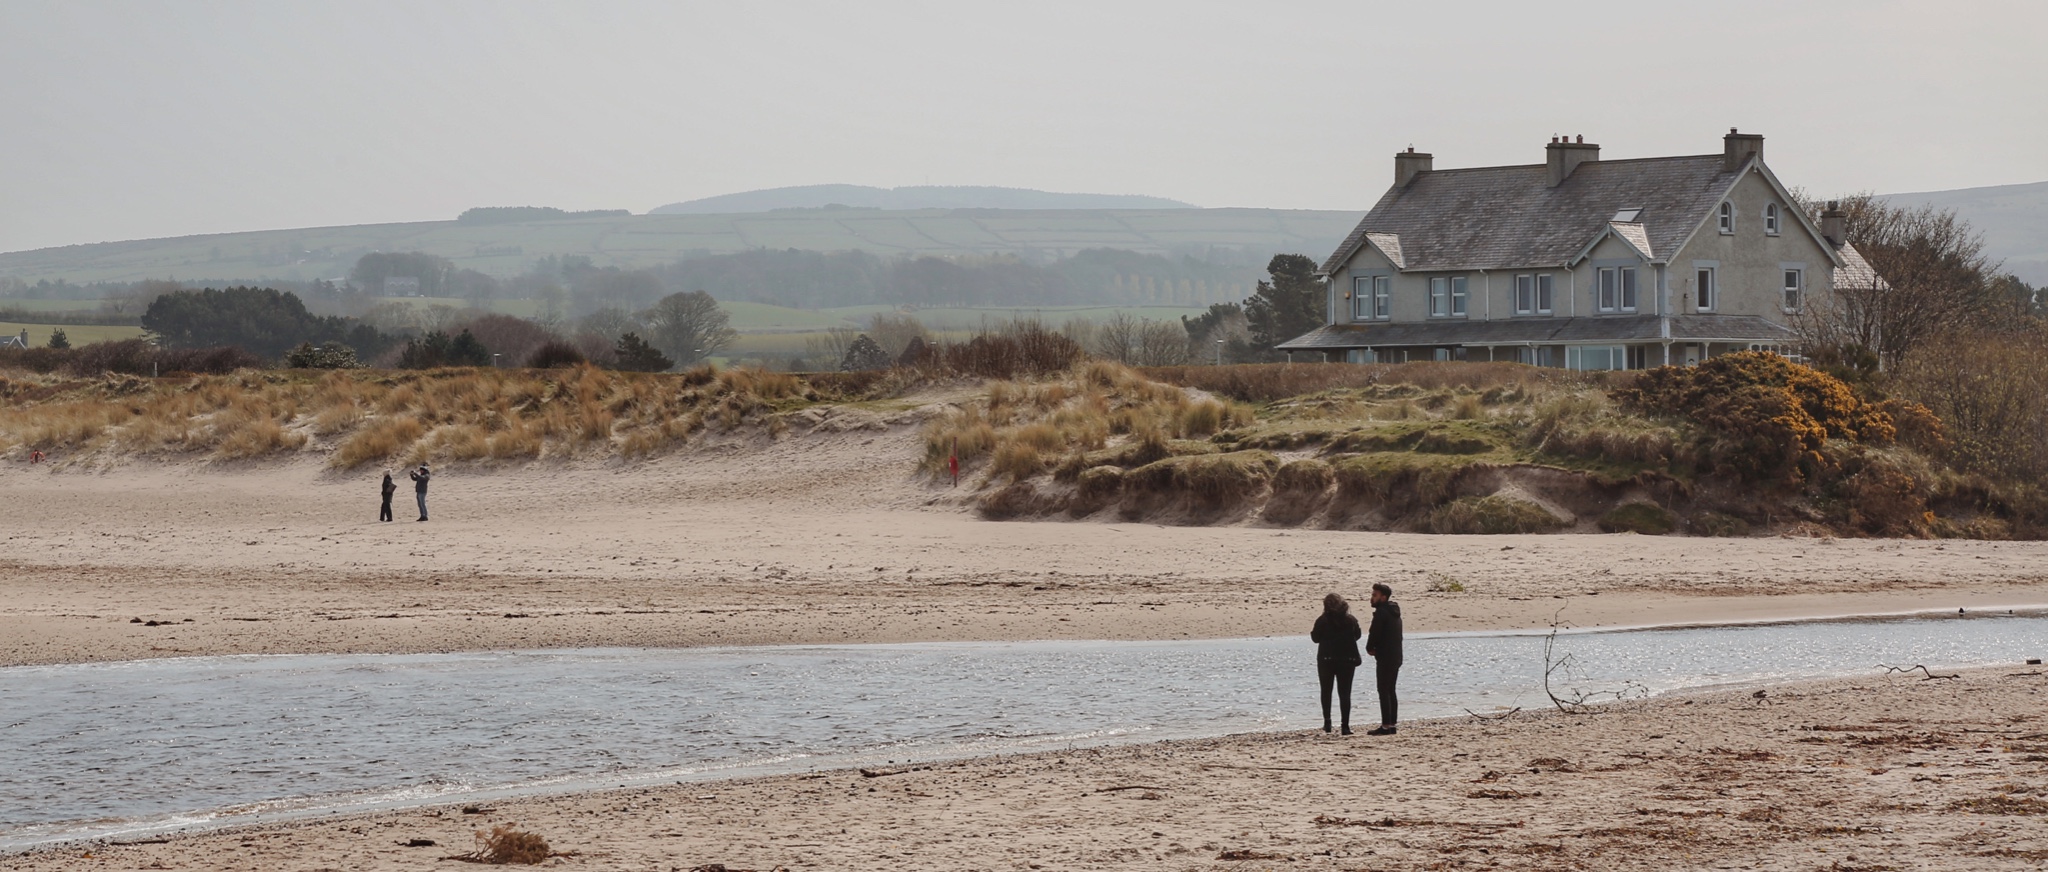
point(1510, 217)
point(1855, 272)
point(1541, 331)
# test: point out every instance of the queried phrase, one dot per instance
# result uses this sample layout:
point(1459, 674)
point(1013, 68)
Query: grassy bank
point(1472, 448)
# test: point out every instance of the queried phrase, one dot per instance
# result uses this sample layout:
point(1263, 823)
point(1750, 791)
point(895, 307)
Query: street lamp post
point(1219, 352)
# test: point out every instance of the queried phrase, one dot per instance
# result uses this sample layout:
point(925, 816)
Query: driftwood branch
point(1496, 717)
point(1929, 676)
point(1576, 702)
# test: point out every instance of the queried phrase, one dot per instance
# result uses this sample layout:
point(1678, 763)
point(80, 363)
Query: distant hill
point(910, 197)
point(2013, 218)
point(506, 249)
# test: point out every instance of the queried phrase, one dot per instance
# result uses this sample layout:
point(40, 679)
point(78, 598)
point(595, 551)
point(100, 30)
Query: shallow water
point(92, 750)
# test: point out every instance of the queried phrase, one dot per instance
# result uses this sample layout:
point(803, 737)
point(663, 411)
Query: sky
point(127, 120)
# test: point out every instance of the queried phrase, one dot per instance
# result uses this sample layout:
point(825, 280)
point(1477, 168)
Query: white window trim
point(1383, 298)
point(1542, 309)
point(1788, 289)
point(1523, 280)
point(1438, 291)
point(1361, 298)
point(1726, 219)
point(1620, 301)
point(1774, 219)
point(1713, 290)
point(1622, 289)
point(1461, 296)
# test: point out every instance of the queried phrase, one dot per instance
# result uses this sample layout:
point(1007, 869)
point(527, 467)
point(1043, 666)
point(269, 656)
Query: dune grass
point(357, 418)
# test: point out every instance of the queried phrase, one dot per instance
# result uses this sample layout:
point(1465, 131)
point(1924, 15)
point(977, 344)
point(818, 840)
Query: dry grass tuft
point(503, 845)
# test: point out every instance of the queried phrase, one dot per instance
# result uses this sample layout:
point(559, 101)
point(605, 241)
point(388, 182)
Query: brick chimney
point(1564, 155)
point(1834, 223)
point(1738, 147)
point(1408, 163)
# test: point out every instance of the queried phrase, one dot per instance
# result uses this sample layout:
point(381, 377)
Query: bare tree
point(827, 349)
point(1117, 338)
point(1991, 394)
point(1162, 343)
point(1932, 278)
point(893, 332)
point(688, 327)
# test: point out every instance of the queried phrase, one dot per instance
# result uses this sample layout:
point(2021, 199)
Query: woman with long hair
point(1336, 636)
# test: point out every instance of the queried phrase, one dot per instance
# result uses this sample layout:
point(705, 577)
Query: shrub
point(1766, 418)
point(1719, 524)
point(1490, 515)
point(1648, 519)
point(1096, 487)
point(326, 355)
point(635, 355)
point(556, 354)
point(1206, 481)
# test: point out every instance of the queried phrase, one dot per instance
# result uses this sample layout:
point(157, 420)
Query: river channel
point(124, 749)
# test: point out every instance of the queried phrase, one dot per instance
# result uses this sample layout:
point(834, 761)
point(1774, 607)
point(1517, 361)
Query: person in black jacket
point(390, 487)
point(1336, 636)
point(1383, 642)
point(419, 488)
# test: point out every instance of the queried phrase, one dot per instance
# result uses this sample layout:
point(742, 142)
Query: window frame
point(1369, 297)
point(1706, 291)
point(1439, 293)
point(1546, 293)
point(1773, 219)
point(1525, 294)
point(1606, 288)
point(1461, 297)
point(1726, 219)
point(1631, 289)
point(1792, 294)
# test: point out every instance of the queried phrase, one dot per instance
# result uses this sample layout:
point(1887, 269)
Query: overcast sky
point(143, 119)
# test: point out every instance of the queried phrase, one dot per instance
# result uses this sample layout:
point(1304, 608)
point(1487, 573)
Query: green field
point(39, 334)
point(648, 240)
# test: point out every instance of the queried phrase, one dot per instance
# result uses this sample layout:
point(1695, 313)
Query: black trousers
point(1390, 705)
point(384, 514)
point(1339, 674)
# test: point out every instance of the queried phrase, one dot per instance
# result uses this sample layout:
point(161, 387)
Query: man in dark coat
point(419, 488)
point(1383, 642)
point(389, 488)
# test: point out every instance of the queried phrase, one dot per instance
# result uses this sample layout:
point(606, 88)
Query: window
point(1795, 289)
point(1617, 289)
point(1596, 357)
point(1361, 355)
point(1440, 354)
point(1770, 219)
point(1727, 217)
point(1369, 297)
point(1543, 295)
point(1627, 216)
point(1703, 289)
point(1525, 295)
point(1447, 297)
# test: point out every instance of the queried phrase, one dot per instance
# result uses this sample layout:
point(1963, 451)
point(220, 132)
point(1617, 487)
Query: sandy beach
point(827, 538)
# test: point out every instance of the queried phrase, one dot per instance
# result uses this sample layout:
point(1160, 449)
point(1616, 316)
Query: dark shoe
point(1347, 731)
point(1326, 726)
point(1380, 731)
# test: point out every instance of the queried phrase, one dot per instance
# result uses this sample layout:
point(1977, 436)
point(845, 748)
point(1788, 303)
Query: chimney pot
point(1582, 138)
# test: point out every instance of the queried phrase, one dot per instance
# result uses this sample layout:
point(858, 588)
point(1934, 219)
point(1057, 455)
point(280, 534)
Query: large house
point(1581, 263)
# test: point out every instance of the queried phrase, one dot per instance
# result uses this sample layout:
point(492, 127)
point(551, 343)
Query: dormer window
point(1727, 218)
point(1627, 216)
point(1771, 219)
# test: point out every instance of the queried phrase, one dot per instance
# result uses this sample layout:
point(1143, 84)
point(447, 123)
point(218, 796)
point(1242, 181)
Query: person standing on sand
point(1336, 636)
point(1383, 642)
point(419, 488)
point(390, 487)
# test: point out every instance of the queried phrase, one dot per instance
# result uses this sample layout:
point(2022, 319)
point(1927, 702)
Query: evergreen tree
point(1288, 306)
point(635, 355)
point(58, 339)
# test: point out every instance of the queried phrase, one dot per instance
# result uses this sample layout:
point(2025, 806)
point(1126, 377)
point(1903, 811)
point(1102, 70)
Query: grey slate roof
point(1540, 331)
point(1510, 217)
